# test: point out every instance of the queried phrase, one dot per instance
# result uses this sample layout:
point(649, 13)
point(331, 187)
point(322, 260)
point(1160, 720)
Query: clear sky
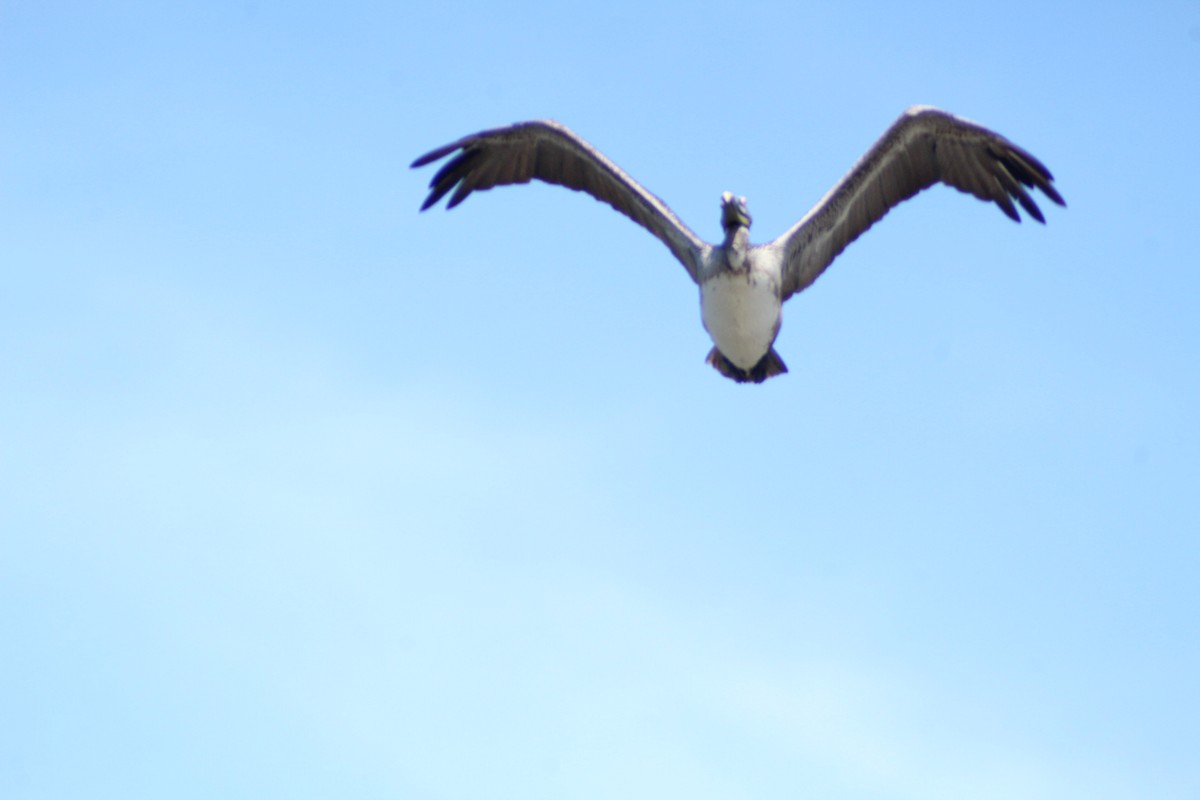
point(304, 494)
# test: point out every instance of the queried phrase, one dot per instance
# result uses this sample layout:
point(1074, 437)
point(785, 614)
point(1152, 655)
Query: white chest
point(741, 313)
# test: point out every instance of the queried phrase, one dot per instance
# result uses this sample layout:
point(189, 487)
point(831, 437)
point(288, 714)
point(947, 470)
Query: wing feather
point(548, 151)
point(925, 146)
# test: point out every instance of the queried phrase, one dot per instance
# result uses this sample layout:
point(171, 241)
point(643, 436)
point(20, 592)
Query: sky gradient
point(305, 494)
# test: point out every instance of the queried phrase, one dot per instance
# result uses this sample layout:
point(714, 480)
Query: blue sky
point(305, 494)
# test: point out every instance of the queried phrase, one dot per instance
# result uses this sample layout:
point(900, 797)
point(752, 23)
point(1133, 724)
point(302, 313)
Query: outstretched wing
point(552, 153)
point(925, 146)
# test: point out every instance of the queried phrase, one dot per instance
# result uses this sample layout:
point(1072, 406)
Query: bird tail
point(768, 366)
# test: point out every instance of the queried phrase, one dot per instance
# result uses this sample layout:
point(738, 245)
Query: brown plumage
point(551, 152)
point(925, 146)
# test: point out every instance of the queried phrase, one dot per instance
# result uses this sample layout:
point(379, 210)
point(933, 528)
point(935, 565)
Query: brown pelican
point(743, 286)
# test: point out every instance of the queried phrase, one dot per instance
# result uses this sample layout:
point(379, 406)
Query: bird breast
point(740, 311)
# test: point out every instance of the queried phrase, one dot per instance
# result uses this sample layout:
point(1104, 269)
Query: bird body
point(743, 286)
point(742, 313)
point(741, 302)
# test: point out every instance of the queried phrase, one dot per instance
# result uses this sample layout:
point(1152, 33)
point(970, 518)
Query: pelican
point(743, 286)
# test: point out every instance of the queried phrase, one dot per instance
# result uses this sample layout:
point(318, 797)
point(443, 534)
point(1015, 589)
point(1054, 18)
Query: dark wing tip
point(1005, 202)
point(1053, 194)
point(1026, 169)
point(451, 174)
point(441, 152)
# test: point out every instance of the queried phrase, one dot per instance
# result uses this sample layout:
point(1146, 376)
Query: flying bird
point(743, 286)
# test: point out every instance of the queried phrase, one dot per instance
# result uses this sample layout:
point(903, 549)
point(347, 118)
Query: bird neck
point(737, 243)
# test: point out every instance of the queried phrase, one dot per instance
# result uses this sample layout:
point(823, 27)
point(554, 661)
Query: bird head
point(734, 213)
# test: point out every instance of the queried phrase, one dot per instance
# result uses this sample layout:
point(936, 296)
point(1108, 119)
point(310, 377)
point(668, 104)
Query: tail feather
point(769, 366)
